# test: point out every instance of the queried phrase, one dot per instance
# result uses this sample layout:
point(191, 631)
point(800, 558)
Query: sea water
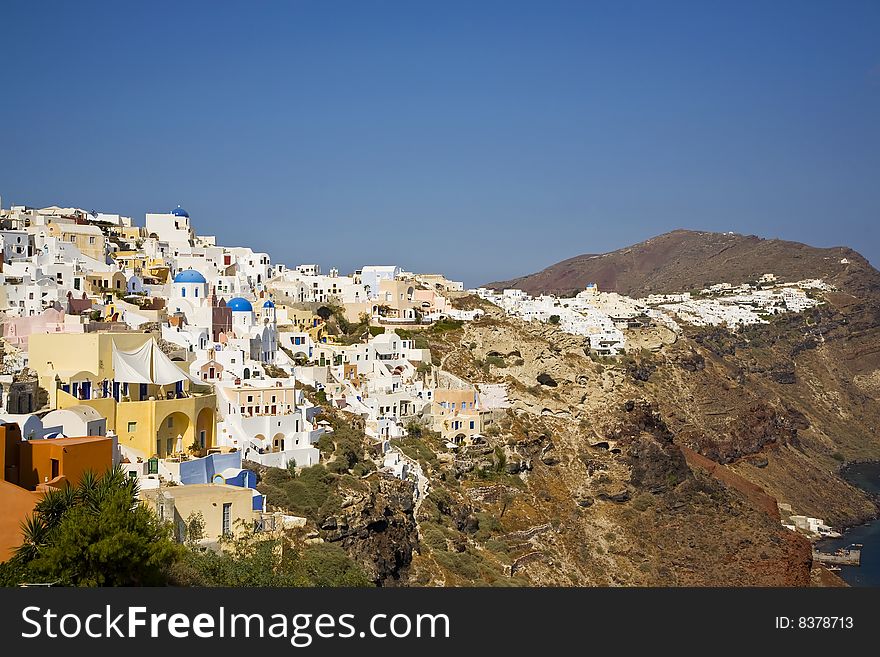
point(867, 477)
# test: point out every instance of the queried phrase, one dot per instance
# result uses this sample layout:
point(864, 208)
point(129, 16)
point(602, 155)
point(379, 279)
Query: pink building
point(16, 330)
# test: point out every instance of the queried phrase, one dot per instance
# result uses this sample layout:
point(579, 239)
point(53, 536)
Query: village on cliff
point(180, 360)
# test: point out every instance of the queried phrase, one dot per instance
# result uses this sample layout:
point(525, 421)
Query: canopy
point(164, 370)
point(132, 366)
point(147, 364)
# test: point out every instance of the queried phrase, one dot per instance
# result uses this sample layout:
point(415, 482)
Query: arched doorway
point(171, 428)
point(205, 425)
point(278, 442)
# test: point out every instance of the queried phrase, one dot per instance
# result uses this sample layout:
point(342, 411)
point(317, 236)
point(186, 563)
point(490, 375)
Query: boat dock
point(842, 557)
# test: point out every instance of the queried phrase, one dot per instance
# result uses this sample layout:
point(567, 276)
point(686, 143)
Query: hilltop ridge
point(683, 260)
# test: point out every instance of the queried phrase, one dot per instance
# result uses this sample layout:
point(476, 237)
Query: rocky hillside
point(687, 260)
point(655, 468)
point(664, 466)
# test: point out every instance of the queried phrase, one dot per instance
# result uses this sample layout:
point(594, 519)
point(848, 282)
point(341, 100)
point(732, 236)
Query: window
point(170, 422)
point(227, 518)
point(132, 427)
point(472, 424)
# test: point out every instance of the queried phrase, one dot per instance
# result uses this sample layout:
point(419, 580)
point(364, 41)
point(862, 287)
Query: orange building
point(30, 466)
point(55, 461)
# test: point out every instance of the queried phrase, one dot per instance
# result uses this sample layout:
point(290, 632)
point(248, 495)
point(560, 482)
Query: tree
point(96, 534)
point(195, 528)
point(36, 537)
point(120, 546)
point(554, 319)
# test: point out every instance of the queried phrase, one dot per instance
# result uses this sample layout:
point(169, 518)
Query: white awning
point(132, 366)
point(164, 369)
point(147, 364)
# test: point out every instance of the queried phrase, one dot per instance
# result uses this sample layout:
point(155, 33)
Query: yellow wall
point(93, 353)
point(445, 417)
point(151, 432)
point(208, 499)
point(82, 240)
point(50, 353)
point(457, 397)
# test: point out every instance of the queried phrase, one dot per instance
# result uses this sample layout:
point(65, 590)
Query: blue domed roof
point(189, 276)
point(268, 304)
point(238, 304)
point(180, 212)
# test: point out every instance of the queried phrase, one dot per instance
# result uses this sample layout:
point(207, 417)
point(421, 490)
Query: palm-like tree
point(90, 493)
point(114, 480)
point(54, 504)
point(87, 490)
point(36, 536)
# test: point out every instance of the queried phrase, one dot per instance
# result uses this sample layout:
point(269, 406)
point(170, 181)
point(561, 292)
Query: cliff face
point(375, 526)
point(371, 517)
point(586, 481)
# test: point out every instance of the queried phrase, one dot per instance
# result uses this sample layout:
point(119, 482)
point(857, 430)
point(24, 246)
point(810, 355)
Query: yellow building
point(157, 271)
point(456, 414)
point(149, 402)
point(396, 299)
point(305, 321)
point(100, 283)
point(87, 238)
point(227, 510)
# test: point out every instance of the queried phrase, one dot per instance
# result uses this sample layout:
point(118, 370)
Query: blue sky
point(482, 139)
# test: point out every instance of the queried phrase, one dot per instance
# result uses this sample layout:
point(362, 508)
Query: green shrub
point(445, 325)
point(433, 536)
point(643, 502)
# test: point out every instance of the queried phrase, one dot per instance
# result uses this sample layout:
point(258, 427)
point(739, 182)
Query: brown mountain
point(685, 260)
